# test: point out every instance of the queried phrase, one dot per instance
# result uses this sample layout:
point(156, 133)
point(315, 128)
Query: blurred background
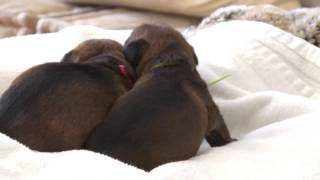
point(21, 17)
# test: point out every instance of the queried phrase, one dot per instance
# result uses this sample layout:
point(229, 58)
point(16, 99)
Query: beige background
point(21, 17)
point(197, 8)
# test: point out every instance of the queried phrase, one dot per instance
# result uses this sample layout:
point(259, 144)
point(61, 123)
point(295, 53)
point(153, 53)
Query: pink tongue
point(123, 70)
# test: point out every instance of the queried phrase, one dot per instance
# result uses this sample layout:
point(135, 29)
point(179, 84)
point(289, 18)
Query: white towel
point(270, 103)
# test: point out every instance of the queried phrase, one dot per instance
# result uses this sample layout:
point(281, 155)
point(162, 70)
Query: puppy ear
point(69, 57)
point(195, 58)
point(134, 51)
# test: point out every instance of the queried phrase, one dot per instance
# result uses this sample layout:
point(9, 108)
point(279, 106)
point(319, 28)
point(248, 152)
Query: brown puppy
point(54, 106)
point(169, 110)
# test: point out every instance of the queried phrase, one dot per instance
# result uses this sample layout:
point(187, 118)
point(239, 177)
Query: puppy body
point(54, 106)
point(168, 112)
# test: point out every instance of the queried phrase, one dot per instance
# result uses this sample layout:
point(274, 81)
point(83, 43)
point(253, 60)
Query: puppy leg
point(218, 133)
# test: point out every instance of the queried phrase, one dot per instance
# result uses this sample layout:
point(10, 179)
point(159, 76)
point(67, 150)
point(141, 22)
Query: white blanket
point(270, 103)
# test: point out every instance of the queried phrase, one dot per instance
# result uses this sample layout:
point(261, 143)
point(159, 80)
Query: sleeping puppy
point(55, 106)
point(169, 110)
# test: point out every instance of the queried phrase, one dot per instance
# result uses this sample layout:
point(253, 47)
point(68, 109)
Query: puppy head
point(86, 50)
point(101, 50)
point(151, 41)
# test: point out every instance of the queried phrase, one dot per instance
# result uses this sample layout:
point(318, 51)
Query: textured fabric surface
point(270, 103)
point(310, 3)
point(302, 22)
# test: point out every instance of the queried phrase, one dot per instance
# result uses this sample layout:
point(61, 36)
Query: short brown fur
point(169, 110)
point(55, 106)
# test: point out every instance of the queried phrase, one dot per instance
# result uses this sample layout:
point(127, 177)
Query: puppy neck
point(167, 64)
point(172, 55)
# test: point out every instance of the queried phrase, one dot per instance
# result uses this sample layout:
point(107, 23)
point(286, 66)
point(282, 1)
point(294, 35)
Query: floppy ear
point(69, 57)
point(134, 51)
point(195, 58)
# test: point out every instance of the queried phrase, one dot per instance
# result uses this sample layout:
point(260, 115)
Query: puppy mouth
point(125, 73)
point(116, 65)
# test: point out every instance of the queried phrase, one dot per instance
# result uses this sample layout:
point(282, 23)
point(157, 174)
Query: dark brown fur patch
point(55, 106)
point(168, 112)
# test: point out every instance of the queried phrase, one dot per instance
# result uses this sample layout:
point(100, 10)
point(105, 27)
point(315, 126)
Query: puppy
point(55, 106)
point(169, 110)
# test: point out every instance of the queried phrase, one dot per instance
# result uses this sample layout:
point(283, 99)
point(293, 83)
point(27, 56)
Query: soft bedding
point(302, 22)
point(270, 103)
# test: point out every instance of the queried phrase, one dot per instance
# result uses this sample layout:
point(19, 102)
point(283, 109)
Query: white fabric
point(22, 52)
point(270, 103)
